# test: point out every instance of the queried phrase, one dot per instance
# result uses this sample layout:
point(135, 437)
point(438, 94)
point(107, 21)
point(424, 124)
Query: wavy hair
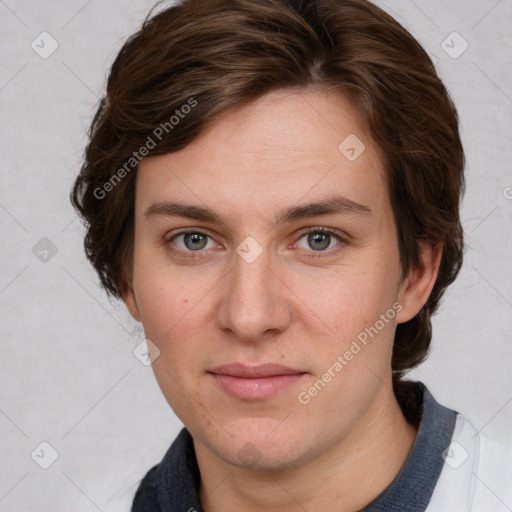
point(224, 54)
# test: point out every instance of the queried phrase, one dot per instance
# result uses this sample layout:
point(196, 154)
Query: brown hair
point(199, 59)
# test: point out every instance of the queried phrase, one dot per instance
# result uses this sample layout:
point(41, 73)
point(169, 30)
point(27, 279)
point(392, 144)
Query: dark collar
point(173, 485)
point(412, 489)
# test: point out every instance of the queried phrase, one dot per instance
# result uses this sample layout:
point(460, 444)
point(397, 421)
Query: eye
point(192, 241)
point(315, 239)
point(319, 240)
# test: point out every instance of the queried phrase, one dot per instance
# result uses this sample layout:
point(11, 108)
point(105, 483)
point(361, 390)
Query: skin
point(295, 304)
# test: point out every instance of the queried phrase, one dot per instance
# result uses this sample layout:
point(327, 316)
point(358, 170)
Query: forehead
point(283, 147)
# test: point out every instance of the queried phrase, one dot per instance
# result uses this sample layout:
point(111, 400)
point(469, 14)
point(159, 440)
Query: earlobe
point(128, 296)
point(417, 286)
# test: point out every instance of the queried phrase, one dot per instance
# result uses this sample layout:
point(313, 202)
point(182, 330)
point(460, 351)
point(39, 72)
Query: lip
point(254, 382)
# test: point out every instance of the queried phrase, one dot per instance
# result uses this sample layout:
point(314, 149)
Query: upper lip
point(254, 372)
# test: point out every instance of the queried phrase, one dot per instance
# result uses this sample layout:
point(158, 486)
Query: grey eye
point(195, 241)
point(319, 241)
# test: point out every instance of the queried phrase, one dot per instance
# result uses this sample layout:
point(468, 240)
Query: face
point(266, 271)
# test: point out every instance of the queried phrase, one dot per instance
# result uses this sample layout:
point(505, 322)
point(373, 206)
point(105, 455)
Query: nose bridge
point(250, 305)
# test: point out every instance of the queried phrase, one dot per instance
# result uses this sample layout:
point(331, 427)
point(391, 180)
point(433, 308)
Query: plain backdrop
point(69, 376)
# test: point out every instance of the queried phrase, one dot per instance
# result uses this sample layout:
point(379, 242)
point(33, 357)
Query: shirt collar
point(412, 488)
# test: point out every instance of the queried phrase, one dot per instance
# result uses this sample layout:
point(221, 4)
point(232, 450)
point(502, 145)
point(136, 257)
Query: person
point(273, 187)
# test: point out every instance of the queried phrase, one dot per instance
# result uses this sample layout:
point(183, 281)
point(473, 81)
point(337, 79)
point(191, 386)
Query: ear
point(417, 286)
point(128, 296)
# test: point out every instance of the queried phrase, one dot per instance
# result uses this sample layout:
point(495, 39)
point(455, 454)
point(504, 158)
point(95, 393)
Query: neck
point(350, 473)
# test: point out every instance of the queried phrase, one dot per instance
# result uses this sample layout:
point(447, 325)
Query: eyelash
point(308, 254)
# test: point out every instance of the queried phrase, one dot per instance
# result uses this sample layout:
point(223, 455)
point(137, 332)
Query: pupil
point(194, 241)
point(319, 241)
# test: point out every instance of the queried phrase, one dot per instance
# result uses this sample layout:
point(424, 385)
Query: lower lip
point(255, 388)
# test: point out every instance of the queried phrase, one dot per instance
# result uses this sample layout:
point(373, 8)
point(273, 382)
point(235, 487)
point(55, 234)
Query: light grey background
point(69, 376)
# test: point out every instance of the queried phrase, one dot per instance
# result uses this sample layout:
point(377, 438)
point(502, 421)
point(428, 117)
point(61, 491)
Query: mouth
point(255, 382)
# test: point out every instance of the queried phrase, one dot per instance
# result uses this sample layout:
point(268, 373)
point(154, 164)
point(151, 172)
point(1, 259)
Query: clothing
point(451, 468)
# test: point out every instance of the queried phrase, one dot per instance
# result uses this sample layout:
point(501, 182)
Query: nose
point(253, 305)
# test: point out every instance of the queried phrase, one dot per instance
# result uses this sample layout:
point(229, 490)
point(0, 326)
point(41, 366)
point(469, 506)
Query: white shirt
point(477, 474)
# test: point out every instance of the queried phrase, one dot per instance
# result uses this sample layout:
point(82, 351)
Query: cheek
point(171, 316)
point(350, 317)
point(348, 298)
point(171, 312)
point(164, 294)
point(173, 319)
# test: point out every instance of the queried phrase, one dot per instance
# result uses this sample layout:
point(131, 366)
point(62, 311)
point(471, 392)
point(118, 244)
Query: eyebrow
point(332, 205)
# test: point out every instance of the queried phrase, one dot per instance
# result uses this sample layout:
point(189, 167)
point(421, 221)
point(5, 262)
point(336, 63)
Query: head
point(247, 125)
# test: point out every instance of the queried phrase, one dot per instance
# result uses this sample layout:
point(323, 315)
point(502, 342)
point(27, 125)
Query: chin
point(260, 444)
